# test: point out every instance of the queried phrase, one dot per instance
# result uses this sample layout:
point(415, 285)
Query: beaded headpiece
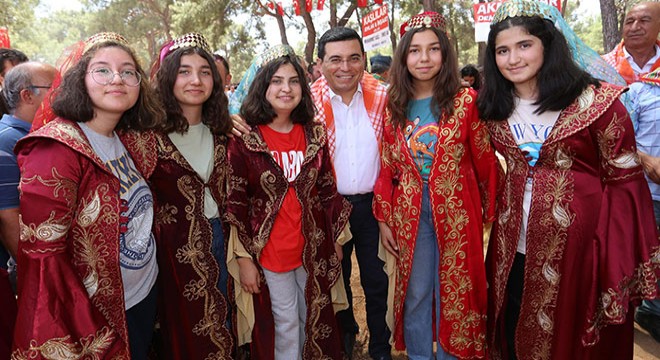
point(102, 38)
point(189, 40)
point(427, 19)
point(259, 61)
point(528, 8)
point(274, 53)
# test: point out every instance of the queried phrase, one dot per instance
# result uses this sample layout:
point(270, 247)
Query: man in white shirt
point(352, 103)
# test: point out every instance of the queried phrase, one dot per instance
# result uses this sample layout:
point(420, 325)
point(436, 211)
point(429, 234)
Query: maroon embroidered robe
point(192, 310)
point(256, 189)
point(590, 236)
point(70, 292)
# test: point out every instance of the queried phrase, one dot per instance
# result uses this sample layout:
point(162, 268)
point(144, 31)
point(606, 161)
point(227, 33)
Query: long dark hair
point(471, 70)
point(256, 110)
point(215, 113)
point(72, 101)
point(560, 81)
point(401, 90)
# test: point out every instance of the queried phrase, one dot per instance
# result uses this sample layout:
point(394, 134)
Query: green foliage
point(230, 26)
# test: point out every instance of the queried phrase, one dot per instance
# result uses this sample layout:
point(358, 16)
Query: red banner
point(319, 4)
point(361, 3)
point(280, 9)
point(379, 2)
point(308, 5)
point(296, 6)
point(4, 37)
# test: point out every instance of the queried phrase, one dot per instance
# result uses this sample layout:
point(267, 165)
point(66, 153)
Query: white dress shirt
point(647, 67)
point(356, 159)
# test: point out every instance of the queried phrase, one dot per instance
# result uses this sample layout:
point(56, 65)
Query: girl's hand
point(249, 275)
point(340, 251)
point(387, 239)
point(240, 127)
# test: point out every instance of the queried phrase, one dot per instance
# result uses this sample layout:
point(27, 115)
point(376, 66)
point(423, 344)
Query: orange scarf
point(617, 58)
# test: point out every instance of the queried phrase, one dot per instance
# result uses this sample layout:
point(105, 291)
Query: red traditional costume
point(256, 189)
point(591, 235)
point(192, 310)
point(70, 292)
point(462, 199)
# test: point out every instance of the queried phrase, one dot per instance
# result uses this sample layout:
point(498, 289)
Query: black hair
point(14, 56)
point(256, 110)
point(560, 81)
point(471, 70)
point(338, 34)
point(224, 62)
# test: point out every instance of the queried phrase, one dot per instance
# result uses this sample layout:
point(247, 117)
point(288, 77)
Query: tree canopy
point(238, 28)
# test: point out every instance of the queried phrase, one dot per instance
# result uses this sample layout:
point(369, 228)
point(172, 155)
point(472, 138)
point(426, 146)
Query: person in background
point(87, 255)
point(351, 103)
point(435, 191)
point(380, 68)
point(8, 59)
point(287, 220)
point(571, 249)
point(638, 53)
point(7, 296)
point(645, 115)
point(223, 69)
point(24, 90)
point(189, 186)
point(471, 77)
point(314, 71)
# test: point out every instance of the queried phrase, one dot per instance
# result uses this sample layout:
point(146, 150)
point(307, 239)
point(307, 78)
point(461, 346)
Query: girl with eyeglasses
point(87, 252)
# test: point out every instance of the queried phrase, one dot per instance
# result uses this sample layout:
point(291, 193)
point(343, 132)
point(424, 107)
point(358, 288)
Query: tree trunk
point(347, 15)
point(428, 5)
point(611, 34)
point(481, 49)
point(311, 34)
point(393, 34)
point(333, 14)
point(280, 24)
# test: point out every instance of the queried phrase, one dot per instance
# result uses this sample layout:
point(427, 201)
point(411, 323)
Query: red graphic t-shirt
point(283, 252)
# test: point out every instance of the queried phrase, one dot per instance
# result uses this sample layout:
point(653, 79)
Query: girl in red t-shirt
point(286, 219)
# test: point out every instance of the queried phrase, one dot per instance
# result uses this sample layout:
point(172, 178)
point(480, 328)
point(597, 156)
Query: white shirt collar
point(334, 95)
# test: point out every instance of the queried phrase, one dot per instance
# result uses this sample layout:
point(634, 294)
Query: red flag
point(296, 6)
point(308, 5)
point(271, 5)
point(4, 37)
point(280, 9)
point(379, 2)
point(319, 4)
point(361, 3)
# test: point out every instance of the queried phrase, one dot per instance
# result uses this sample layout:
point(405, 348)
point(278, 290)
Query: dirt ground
point(645, 347)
